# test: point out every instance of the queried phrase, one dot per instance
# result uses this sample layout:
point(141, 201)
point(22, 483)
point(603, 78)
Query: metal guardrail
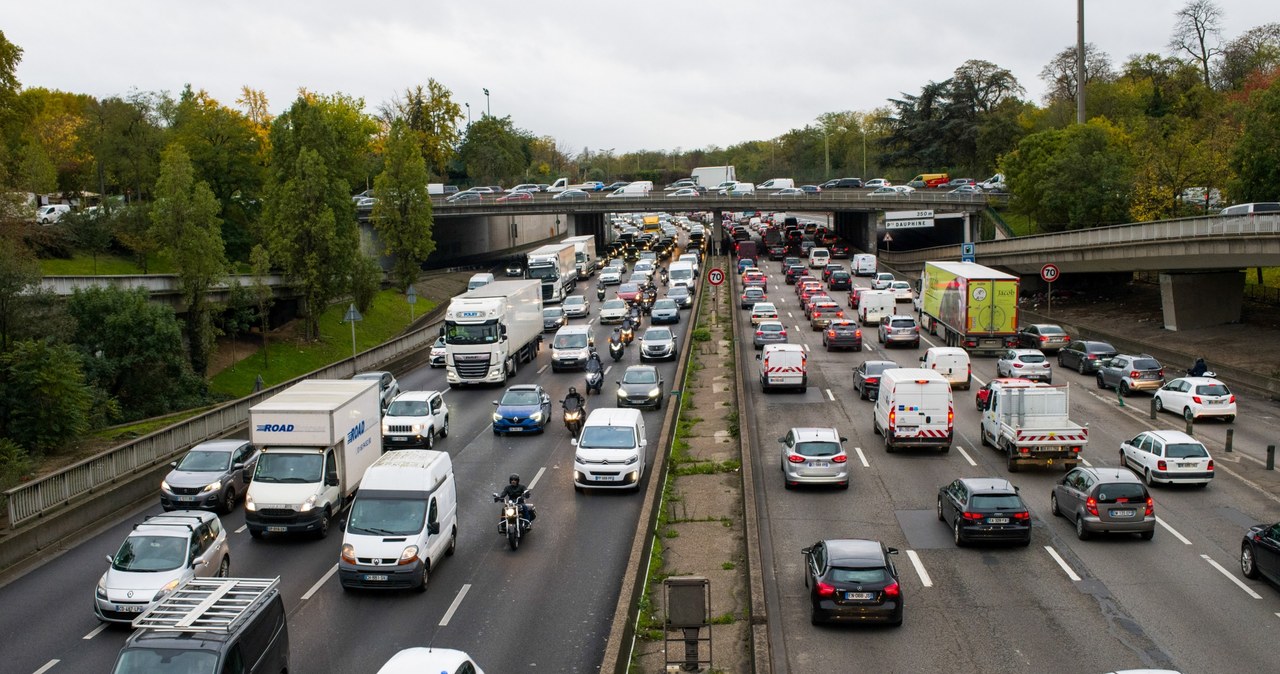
point(154, 283)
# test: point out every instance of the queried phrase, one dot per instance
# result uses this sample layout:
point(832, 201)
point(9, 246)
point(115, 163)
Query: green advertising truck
point(969, 305)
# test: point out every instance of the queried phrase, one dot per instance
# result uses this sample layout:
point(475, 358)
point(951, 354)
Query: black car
point(793, 271)
point(1083, 356)
point(852, 579)
point(984, 508)
point(1260, 552)
point(681, 295)
point(640, 386)
point(866, 377)
point(839, 280)
point(777, 251)
point(843, 184)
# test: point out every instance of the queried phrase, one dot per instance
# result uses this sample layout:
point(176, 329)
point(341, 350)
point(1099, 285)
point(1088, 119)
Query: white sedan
point(610, 276)
point(613, 311)
point(1195, 397)
point(1171, 457)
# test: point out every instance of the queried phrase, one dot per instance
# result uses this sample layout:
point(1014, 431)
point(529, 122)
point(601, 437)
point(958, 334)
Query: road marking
point(606, 370)
point(241, 529)
point(454, 606)
point(1062, 563)
point(966, 456)
point(862, 457)
point(543, 368)
point(537, 477)
point(1085, 462)
point(47, 666)
point(980, 382)
point(789, 315)
point(1173, 531)
point(831, 395)
point(867, 346)
point(96, 631)
point(1231, 577)
point(316, 588)
point(924, 575)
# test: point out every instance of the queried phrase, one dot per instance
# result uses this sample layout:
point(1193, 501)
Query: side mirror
point(527, 493)
point(782, 439)
point(442, 331)
point(237, 466)
point(573, 442)
point(331, 481)
point(110, 560)
point(495, 402)
point(843, 439)
point(805, 551)
point(921, 359)
point(757, 356)
point(173, 464)
point(892, 551)
point(591, 341)
point(433, 528)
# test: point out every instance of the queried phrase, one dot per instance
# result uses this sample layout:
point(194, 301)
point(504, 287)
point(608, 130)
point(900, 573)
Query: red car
point(628, 292)
point(854, 295)
point(985, 392)
point(516, 196)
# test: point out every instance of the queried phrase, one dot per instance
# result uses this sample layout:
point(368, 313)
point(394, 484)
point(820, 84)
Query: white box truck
point(711, 177)
point(555, 266)
point(489, 331)
point(316, 440)
point(1030, 424)
point(584, 255)
point(914, 409)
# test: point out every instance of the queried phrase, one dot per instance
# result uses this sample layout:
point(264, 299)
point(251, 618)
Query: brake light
point(795, 458)
point(1197, 400)
point(1044, 338)
point(1210, 467)
point(759, 333)
point(839, 458)
point(783, 333)
point(1022, 516)
point(825, 590)
point(1233, 399)
point(1092, 356)
point(831, 333)
point(1018, 365)
point(893, 591)
point(951, 416)
point(969, 373)
point(859, 334)
point(1161, 465)
point(893, 418)
point(1076, 450)
point(972, 516)
point(1133, 374)
point(875, 380)
point(1091, 506)
point(1151, 507)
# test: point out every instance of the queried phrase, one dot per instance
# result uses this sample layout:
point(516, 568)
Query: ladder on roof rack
point(206, 605)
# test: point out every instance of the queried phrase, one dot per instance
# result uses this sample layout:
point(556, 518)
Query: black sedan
point(1083, 356)
point(866, 377)
point(842, 334)
point(1260, 552)
point(852, 580)
point(984, 508)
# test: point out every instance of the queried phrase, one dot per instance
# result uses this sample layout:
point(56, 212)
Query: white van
point(864, 264)
point(48, 215)
point(737, 189)
point(952, 362)
point(819, 257)
point(571, 347)
point(875, 306)
point(683, 274)
point(777, 184)
point(403, 522)
point(1250, 209)
point(611, 451)
point(479, 280)
point(914, 409)
point(783, 366)
point(639, 188)
point(691, 258)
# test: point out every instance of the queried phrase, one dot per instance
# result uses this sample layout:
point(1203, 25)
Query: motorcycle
point(573, 417)
point(663, 275)
point(595, 378)
point(616, 350)
point(511, 524)
point(1207, 373)
point(627, 335)
point(600, 292)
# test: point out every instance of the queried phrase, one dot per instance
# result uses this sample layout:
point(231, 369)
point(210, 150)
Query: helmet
point(515, 477)
point(573, 391)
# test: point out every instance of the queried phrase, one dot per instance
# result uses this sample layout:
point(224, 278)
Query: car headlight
point(655, 392)
point(212, 486)
point(308, 504)
point(497, 417)
point(348, 553)
point(536, 416)
point(409, 556)
point(164, 485)
point(249, 504)
point(577, 458)
point(166, 589)
point(621, 393)
point(101, 592)
point(631, 459)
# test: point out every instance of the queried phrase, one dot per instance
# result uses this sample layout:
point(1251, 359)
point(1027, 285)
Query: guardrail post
point(1271, 457)
point(1231, 434)
point(1153, 407)
point(1190, 424)
point(1120, 396)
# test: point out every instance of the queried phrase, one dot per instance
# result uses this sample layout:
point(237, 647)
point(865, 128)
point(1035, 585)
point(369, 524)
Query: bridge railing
point(154, 283)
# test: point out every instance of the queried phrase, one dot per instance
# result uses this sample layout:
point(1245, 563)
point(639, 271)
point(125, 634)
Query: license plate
point(515, 429)
point(374, 578)
point(130, 608)
point(186, 498)
point(819, 464)
point(1122, 513)
point(605, 478)
point(399, 438)
point(906, 429)
point(997, 520)
point(1186, 465)
point(277, 529)
point(859, 596)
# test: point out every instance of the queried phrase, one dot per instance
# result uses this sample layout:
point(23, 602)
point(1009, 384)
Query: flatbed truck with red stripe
point(1029, 423)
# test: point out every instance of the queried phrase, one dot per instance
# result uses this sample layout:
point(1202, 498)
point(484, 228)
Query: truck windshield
point(478, 333)
point(289, 468)
point(544, 271)
point(387, 516)
point(166, 660)
point(680, 274)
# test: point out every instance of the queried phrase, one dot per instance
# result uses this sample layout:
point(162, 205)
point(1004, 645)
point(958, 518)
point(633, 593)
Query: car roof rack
point(206, 605)
point(174, 519)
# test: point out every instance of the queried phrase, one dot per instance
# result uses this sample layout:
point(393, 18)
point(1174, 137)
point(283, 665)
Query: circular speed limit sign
point(715, 277)
point(1049, 273)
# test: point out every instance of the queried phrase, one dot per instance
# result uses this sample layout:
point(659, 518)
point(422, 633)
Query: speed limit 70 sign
point(1049, 273)
point(715, 277)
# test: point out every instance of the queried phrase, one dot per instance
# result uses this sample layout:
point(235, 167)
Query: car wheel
point(1060, 362)
point(1147, 535)
point(940, 517)
point(1230, 418)
point(1081, 533)
point(1053, 505)
point(1148, 478)
point(956, 535)
point(1159, 404)
point(444, 430)
point(1080, 366)
point(254, 533)
point(1188, 415)
point(1247, 564)
point(224, 569)
point(425, 578)
point(1124, 387)
point(229, 500)
point(453, 543)
point(1101, 384)
point(431, 438)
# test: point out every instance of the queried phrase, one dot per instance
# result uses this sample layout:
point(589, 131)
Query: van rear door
point(921, 409)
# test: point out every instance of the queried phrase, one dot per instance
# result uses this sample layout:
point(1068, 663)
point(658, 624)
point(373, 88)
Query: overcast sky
point(655, 75)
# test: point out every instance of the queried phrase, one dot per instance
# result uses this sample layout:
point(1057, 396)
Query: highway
point(1061, 604)
point(546, 606)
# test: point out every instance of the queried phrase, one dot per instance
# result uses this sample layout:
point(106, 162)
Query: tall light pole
point(468, 114)
point(488, 111)
point(864, 151)
point(826, 152)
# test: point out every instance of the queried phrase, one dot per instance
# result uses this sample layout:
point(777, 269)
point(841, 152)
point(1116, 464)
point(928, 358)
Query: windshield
point(607, 437)
point(664, 304)
point(677, 274)
point(818, 448)
point(656, 334)
point(996, 502)
point(572, 341)
point(166, 661)
point(678, 291)
point(614, 304)
point(408, 408)
point(628, 288)
point(523, 397)
point(289, 468)
point(198, 461)
point(1031, 358)
point(543, 271)
point(640, 377)
point(479, 333)
point(387, 516)
point(551, 313)
point(151, 553)
point(574, 300)
point(1185, 450)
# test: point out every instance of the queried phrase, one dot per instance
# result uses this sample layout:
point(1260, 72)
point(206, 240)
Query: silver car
point(575, 306)
point(814, 456)
point(387, 384)
point(1024, 363)
point(898, 329)
point(211, 476)
point(770, 332)
point(664, 310)
point(657, 344)
point(1102, 500)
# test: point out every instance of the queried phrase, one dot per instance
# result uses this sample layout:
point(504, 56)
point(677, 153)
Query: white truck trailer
point(489, 331)
point(316, 438)
point(555, 266)
point(584, 254)
point(710, 177)
point(1029, 423)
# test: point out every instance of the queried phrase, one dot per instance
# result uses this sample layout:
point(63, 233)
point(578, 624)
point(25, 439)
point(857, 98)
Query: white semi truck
point(555, 266)
point(489, 331)
point(316, 439)
point(584, 252)
point(1029, 423)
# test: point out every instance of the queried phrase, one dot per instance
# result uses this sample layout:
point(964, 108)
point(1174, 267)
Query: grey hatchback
point(1104, 500)
point(769, 332)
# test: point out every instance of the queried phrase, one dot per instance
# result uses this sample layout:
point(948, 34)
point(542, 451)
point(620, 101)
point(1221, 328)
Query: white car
point(902, 291)
point(414, 420)
point(1024, 363)
point(1195, 397)
point(158, 555)
point(1170, 457)
point(763, 311)
point(439, 354)
point(575, 306)
point(877, 183)
point(419, 659)
point(613, 311)
point(882, 281)
point(610, 276)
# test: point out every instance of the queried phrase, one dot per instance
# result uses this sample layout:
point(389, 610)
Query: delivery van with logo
point(783, 366)
point(914, 409)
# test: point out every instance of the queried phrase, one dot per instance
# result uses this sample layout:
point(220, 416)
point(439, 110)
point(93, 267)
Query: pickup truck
point(1029, 423)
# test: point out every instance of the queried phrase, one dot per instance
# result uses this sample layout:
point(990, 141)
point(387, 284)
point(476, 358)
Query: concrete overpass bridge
point(1201, 261)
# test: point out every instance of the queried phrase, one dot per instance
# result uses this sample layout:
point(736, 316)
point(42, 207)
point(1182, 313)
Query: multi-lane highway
point(1059, 605)
point(546, 606)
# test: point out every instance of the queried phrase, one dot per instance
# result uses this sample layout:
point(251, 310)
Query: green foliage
point(432, 116)
point(1256, 158)
point(15, 464)
point(727, 618)
point(493, 150)
point(19, 276)
point(45, 403)
point(728, 566)
point(366, 280)
point(701, 334)
point(1077, 177)
point(402, 215)
point(237, 315)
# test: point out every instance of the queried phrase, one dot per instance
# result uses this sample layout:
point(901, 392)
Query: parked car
point(984, 508)
point(842, 333)
point(1084, 355)
point(1130, 373)
point(1024, 363)
point(852, 579)
point(387, 385)
point(640, 386)
point(814, 456)
point(1169, 457)
point(1104, 500)
point(211, 475)
point(523, 408)
point(769, 332)
point(1260, 552)
point(866, 377)
point(1196, 397)
point(1047, 337)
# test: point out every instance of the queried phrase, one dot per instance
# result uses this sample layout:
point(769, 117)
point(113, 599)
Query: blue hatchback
point(745, 262)
point(522, 409)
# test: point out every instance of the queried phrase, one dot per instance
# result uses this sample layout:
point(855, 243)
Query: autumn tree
point(402, 214)
point(1197, 32)
point(1072, 178)
point(431, 115)
point(1257, 50)
point(1256, 156)
point(1060, 72)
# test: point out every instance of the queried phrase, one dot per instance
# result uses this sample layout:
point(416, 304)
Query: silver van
point(479, 281)
point(1252, 209)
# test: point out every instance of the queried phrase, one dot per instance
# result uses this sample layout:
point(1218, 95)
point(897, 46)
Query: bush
point(702, 335)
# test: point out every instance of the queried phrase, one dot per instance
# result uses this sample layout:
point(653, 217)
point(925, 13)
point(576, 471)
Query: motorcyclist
point(1198, 369)
point(515, 491)
point(575, 396)
point(600, 291)
point(594, 368)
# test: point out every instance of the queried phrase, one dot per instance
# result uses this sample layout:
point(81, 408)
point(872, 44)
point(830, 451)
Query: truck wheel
point(945, 449)
point(1012, 463)
point(323, 531)
point(515, 365)
point(982, 437)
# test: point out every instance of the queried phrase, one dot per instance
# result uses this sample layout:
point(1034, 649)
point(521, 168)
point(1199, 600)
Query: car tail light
point(875, 380)
point(1022, 516)
point(1196, 400)
point(1134, 374)
point(795, 458)
point(1161, 465)
point(951, 416)
point(831, 333)
point(840, 458)
point(1210, 466)
point(1091, 506)
point(1018, 365)
point(893, 418)
point(972, 516)
point(1092, 356)
point(1160, 373)
point(1151, 507)
point(825, 590)
point(1044, 338)
point(783, 333)
point(759, 333)
point(1233, 399)
point(969, 373)
point(893, 590)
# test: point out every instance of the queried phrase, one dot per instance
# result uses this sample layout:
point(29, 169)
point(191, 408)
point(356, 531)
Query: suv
point(160, 553)
point(415, 419)
point(814, 456)
point(852, 579)
point(1171, 457)
point(211, 475)
point(1099, 500)
point(899, 329)
point(987, 508)
point(1130, 373)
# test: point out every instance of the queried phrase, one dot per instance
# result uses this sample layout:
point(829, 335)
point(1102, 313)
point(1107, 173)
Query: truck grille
point(474, 367)
point(278, 514)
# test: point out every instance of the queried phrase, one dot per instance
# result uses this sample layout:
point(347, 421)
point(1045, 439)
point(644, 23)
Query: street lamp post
point(351, 317)
point(864, 152)
point(488, 111)
point(468, 114)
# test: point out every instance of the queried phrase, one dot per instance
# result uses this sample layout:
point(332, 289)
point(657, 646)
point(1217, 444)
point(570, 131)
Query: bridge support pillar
point(1198, 300)
point(858, 228)
point(589, 224)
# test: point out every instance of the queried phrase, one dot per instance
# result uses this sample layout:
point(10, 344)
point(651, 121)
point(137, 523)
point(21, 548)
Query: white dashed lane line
point(831, 395)
point(47, 666)
point(534, 481)
point(543, 369)
point(924, 575)
point(862, 457)
point(1173, 531)
point(316, 588)
point(457, 601)
point(1231, 577)
point(1062, 563)
point(966, 456)
point(96, 631)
